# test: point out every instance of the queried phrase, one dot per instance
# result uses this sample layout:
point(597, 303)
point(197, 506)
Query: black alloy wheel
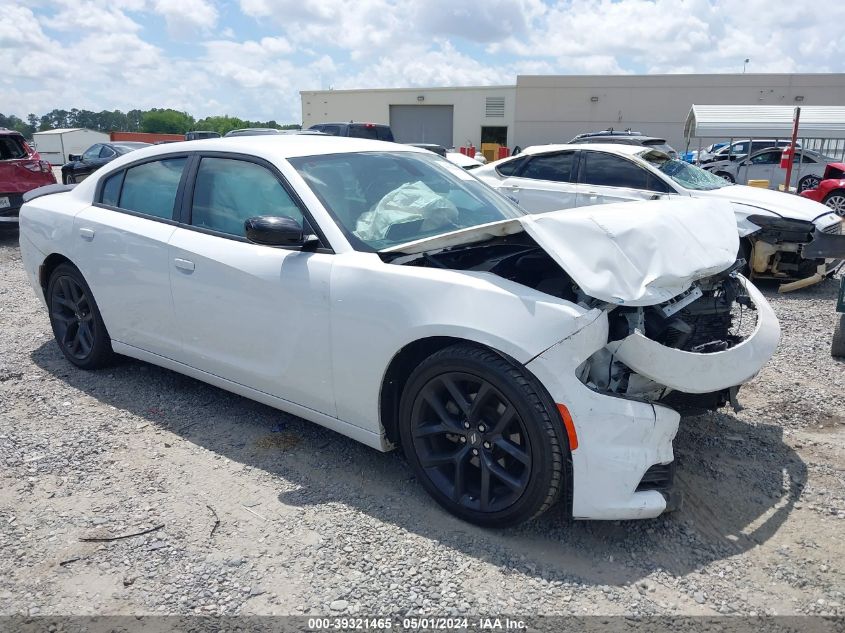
point(75, 319)
point(483, 436)
point(68, 179)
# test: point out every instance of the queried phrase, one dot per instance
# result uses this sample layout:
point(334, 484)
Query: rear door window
point(608, 170)
point(12, 147)
point(556, 167)
point(150, 188)
point(511, 167)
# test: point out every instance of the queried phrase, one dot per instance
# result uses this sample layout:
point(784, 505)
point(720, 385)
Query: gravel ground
point(251, 511)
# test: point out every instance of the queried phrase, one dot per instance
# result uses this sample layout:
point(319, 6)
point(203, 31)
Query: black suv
point(626, 137)
point(375, 131)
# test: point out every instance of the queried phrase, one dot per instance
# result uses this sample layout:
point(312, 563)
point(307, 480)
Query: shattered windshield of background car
point(384, 199)
point(686, 175)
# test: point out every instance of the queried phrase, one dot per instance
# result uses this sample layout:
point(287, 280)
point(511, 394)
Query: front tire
point(76, 321)
point(68, 179)
point(836, 201)
point(726, 176)
point(483, 436)
point(837, 345)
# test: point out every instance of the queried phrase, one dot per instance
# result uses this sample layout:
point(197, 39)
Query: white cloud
point(106, 54)
point(185, 17)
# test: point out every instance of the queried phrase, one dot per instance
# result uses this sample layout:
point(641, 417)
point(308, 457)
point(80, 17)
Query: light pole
point(744, 64)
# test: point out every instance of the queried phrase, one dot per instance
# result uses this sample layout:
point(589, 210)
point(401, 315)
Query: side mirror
point(74, 157)
point(271, 230)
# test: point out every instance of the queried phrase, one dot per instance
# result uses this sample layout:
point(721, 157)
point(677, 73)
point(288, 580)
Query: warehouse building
point(554, 108)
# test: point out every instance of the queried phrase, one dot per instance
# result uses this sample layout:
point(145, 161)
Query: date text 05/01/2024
point(416, 624)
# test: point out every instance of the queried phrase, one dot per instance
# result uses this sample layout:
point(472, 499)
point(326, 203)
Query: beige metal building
point(554, 108)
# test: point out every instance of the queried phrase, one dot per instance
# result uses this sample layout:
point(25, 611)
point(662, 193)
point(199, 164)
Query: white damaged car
point(385, 293)
point(783, 237)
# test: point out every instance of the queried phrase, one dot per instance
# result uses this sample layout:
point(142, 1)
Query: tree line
point(157, 120)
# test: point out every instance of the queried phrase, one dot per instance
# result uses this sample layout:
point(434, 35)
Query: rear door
point(605, 178)
point(121, 249)
point(543, 182)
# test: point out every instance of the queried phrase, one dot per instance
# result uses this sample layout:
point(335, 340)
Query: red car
point(831, 190)
point(21, 170)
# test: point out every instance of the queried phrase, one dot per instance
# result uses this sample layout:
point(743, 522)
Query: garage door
point(422, 124)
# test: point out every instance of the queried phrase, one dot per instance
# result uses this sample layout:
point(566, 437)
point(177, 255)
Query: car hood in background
point(775, 202)
point(632, 253)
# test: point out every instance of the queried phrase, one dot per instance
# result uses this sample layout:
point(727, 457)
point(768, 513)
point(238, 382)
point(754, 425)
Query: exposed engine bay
point(713, 315)
point(786, 248)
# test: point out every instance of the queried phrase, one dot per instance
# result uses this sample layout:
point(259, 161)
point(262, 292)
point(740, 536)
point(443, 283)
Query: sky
point(250, 58)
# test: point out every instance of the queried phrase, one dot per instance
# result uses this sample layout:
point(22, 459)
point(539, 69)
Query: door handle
point(184, 264)
point(86, 233)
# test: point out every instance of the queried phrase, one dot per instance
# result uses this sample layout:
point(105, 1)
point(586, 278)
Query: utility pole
point(744, 64)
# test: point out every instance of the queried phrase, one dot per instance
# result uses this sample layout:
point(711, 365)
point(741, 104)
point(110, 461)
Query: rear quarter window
point(12, 147)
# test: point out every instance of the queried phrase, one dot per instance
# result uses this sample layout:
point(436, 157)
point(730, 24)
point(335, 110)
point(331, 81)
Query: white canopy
point(763, 121)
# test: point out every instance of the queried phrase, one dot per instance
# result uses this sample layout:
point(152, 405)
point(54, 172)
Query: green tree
point(166, 121)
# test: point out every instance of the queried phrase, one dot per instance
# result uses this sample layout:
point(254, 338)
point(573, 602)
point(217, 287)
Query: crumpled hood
point(778, 202)
point(639, 253)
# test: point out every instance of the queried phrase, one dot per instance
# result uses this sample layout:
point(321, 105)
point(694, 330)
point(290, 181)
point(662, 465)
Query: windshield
point(385, 199)
point(686, 175)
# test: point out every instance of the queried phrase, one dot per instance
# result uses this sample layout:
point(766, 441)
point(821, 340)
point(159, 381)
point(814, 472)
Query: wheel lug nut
point(466, 425)
point(475, 451)
point(463, 440)
point(482, 428)
point(487, 445)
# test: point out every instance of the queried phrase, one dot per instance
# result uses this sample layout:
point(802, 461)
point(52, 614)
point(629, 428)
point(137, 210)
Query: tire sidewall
point(542, 452)
point(807, 183)
point(101, 348)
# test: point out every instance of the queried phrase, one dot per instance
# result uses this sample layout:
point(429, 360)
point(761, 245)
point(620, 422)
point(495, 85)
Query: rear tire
point(809, 182)
point(836, 201)
point(68, 179)
point(837, 345)
point(76, 321)
point(483, 436)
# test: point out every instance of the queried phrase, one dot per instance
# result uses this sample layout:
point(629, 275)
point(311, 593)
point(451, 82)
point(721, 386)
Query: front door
point(762, 166)
point(255, 315)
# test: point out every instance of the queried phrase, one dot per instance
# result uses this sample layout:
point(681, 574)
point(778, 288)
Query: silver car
point(807, 168)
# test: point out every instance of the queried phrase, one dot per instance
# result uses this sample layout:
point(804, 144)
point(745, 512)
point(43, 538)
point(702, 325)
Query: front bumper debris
point(692, 372)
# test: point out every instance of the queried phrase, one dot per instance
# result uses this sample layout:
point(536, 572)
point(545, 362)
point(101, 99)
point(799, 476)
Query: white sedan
point(385, 293)
point(783, 236)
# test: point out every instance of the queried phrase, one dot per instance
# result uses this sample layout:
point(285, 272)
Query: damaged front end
point(691, 353)
point(668, 325)
point(788, 248)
